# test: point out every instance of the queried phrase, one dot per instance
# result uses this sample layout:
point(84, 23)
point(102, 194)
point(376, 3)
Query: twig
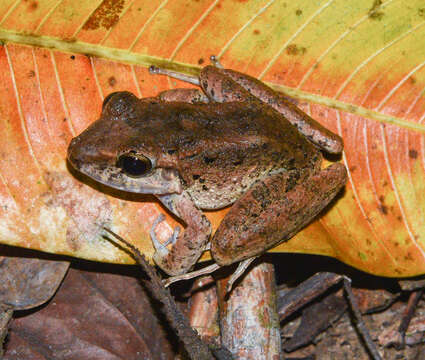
point(414, 298)
point(361, 327)
point(195, 347)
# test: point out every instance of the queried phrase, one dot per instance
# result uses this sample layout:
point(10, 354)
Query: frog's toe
point(214, 60)
point(201, 272)
point(242, 266)
point(173, 238)
point(159, 247)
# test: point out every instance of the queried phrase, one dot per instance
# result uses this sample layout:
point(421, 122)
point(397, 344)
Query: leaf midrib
point(124, 56)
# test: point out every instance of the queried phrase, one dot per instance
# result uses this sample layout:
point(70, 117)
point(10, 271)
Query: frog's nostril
point(72, 159)
point(74, 154)
point(74, 142)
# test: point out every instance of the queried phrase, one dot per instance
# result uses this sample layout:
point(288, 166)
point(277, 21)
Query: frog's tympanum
point(236, 143)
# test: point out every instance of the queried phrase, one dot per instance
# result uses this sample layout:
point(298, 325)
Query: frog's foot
point(174, 74)
point(206, 270)
point(242, 266)
point(216, 62)
point(240, 270)
point(161, 249)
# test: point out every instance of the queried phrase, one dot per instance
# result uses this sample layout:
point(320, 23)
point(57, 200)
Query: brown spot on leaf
point(408, 257)
point(201, 61)
point(384, 209)
point(294, 49)
point(298, 12)
point(256, 32)
point(353, 168)
point(413, 154)
point(33, 5)
point(112, 81)
point(31, 73)
point(421, 12)
point(374, 12)
point(106, 15)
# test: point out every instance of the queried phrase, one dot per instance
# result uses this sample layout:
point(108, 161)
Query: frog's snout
point(73, 155)
point(73, 144)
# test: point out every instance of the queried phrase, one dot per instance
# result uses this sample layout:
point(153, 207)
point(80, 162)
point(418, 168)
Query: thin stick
point(195, 347)
point(408, 314)
point(361, 327)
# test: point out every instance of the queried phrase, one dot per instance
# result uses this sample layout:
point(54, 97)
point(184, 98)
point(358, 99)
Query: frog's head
point(111, 152)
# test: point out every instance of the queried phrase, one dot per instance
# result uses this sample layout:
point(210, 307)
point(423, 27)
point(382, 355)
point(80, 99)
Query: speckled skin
point(210, 155)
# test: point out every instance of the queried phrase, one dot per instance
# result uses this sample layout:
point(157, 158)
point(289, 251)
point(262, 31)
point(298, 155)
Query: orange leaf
point(356, 66)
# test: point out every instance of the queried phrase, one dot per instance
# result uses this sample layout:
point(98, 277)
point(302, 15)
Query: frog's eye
point(134, 165)
point(106, 100)
point(120, 103)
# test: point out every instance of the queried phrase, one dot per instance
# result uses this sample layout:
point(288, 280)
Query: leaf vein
point(397, 194)
point(293, 36)
point(44, 19)
point(193, 28)
point(241, 30)
point(148, 21)
point(89, 14)
point(108, 32)
point(62, 95)
point(11, 9)
point(371, 57)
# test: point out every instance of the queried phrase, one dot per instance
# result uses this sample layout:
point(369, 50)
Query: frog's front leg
point(273, 210)
point(187, 247)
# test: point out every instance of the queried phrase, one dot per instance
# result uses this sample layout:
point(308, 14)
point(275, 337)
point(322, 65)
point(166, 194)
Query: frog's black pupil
point(133, 165)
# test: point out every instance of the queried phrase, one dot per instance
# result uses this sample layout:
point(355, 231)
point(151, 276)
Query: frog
point(235, 142)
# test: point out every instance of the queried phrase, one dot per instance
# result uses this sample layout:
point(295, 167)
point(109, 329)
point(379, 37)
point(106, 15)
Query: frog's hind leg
point(155, 70)
point(240, 270)
point(273, 210)
point(214, 61)
point(193, 274)
point(214, 82)
point(310, 128)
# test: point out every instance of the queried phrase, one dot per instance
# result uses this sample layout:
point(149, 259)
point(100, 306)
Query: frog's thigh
point(310, 128)
point(184, 95)
point(273, 210)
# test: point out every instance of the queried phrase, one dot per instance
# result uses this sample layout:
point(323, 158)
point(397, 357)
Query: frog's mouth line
point(153, 183)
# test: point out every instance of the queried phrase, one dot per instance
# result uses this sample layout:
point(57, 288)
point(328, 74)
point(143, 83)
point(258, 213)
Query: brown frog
point(238, 142)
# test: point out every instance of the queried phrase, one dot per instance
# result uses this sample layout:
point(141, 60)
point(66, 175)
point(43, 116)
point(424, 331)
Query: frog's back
point(222, 149)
